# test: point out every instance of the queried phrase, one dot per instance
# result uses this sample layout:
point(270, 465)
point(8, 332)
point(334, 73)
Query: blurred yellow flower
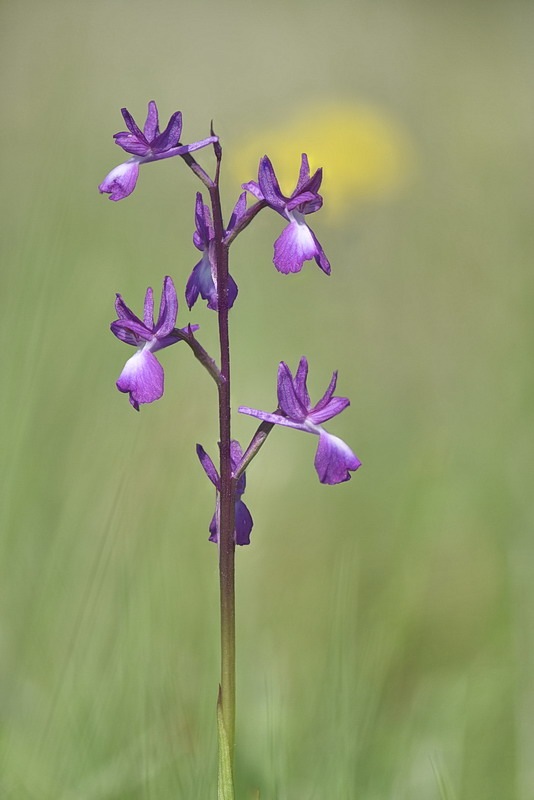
point(366, 155)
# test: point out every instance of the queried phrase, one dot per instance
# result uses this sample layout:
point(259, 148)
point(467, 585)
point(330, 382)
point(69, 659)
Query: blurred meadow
point(385, 626)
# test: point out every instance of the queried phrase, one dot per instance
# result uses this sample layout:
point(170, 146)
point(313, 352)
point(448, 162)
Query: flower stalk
point(228, 489)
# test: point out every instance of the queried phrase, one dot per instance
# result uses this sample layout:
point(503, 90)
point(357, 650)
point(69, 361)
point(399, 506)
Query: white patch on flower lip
point(136, 363)
point(122, 170)
point(341, 446)
point(133, 366)
point(302, 236)
point(121, 181)
point(334, 442)
point(142, 375)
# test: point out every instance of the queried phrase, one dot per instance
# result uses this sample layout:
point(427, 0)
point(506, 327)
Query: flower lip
point(294, 246)
point(142, 377)
point(334, 460)
point(121, 181)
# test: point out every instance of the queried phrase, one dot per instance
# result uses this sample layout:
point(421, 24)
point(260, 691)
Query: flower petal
point(304, 174)
point(142, 377)
point(170, 136)
point(131, 143)
point(201, 282)
point(294, 246)
point(208, 466)
point(232, 291)
point(125, 335)
point(174, 336)
point(334, 407)
point(334, 459)
point(254, 189)
point(123, 311)
point(269, 185)
point(300, 382)
point(130, 332)
point(236, 454)
point(320, 258)
point(204, 227)
point(327, 396)
point(305, 202)
point(151, 128)
point(131, 124)
point(243, 523)
point(148, 311)
point(120, 182)
point(314, 183)
point(288, 399)
point(239, 209)
point(214, 524)
point(328, 406)
point(168, 309)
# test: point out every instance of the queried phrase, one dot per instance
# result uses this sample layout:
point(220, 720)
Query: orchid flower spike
point(297, 243)
point(146, 145)
point(142, 377)
point(334, 460)
point(243, 518)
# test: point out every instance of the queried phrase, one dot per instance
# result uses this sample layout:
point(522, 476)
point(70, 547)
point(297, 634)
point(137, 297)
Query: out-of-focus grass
point(385, 626)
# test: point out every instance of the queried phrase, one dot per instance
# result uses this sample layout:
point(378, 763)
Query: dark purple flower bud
point(297, 243)
point(142, 377)
point(243, 517)
point(146, 145)
point(203, 279)
point(334, 460)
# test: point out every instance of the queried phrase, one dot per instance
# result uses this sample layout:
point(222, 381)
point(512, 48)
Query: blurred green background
point(385, 625)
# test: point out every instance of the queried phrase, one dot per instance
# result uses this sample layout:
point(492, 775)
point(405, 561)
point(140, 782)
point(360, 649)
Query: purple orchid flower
point(146, 145)
point(297, 243)
point(243, 518)
point(142, 376)
point(334, 459)
point(203, 279)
